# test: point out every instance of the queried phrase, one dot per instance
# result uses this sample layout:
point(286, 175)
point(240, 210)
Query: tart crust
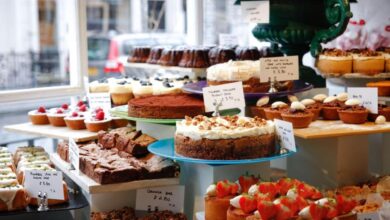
point(299, 119)
point(216, 208)
point(236, 214)
point(353, 116)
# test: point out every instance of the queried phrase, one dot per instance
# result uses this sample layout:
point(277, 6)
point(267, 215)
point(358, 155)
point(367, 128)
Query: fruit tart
point(353, 112)
point(368, 62)
point(383, 109)
point(275, 110)
point(97, 121)
point(75, 121)
point(56, 115)
point(217, 199)
point(330, 107)
point(261, 104)
point(313, 106)
point(38, 116)
point(298, 115)
point(241, 207)
point(335, 61)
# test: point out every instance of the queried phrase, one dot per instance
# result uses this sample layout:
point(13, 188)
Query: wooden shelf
point(92, 187)
point(52, 132)
point(327, 129)
point(197, 71)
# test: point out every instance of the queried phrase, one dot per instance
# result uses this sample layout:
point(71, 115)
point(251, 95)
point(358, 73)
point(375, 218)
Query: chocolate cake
point(221, 55)
point(139, 55)
point(173, 106)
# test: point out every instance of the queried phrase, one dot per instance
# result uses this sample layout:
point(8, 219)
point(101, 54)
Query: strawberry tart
point(75, 121)
point(225, 138)
point(56, 115)
point(217, 199)
point(98, 121)
point(38, 116)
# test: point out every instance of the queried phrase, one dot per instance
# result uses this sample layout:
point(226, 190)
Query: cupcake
point(143, 89)
point(97, 122)
point(99, 86)
point(56, 115)
point(275, 110)
point(261, 104)
point(368, 62)
point(166, 87)
point(38, 116)
point(121, 92)
point(382, 110)
point(330, 107)
point(335, 61)
point(298, 115)
point(313, 106)
point(319, 98)
point(75, 121)
point(353, 112)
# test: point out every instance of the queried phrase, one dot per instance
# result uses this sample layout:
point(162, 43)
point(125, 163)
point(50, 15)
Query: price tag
point(160, 198)
point(285, 134)
point(368, 216)
point(230, 96)
point(102, 100)
point(228, 40)
point(281, 68)
point(256, 11)
point(73, 154)
point(49, 182)
point(368, 97)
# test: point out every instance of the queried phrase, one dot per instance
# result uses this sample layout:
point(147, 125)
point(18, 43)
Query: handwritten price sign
point(368, 97)
point(49, 182)
point(285, 134)
point(230, 95)
point(279, 68)
point(256, 11)
point(160, 198)
point(73, 153)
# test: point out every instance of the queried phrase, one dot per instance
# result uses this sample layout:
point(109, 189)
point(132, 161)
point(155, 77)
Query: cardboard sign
point(102, 100)
point(256, 11)
point(49, 182)
point(228, 40)
point(279, 68)
point(228, 96)
point(73, 154)
point(160, 198)
point(368, 97)
point(285, 134)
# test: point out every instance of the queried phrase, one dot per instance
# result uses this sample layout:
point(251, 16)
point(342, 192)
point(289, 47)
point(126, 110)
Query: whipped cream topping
point(35, 112)
point(278, 104)
point(253, 190)
point(292, 193)
point(235, 202)
point(234, 71)
point(228, 127)
point(322, 201)
point(262, 101)
point(307, 102)
point(211, 190)
point(330, 99)
point(257, 214)
point(297, 106)
point(120, 88)
point(353, 102)
point(342, 96)
point(143, 90)
point(336, 58)
point(380, 119)
point(305, 213)
point(320, 97)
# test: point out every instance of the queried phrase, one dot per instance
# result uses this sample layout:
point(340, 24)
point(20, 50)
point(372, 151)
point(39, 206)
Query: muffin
point(382, 110)
point(121, 92)
point(335, 61)
point(352, 112)
point(261, 104)
point(313, 106)
point(330, 107)
point(75, 121)
point(368, 62)
point(38, 116)
point(275, 110)
point(97, 122)
point(298, 115)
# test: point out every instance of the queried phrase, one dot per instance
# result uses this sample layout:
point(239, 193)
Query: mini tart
point(117, 122)
point(236, 214)
point(382, 110)
point(38, 118)
point(216, 208)
point(95, 125)
point(299, 118)
point(75, 123)
point(56, 119)
point(335, 61)
point(314, 108)
point(272, 113)
point(259, 111)
point(354, 114)
point(383, 87)
point(121, 93)
point(329, 110)
point(368, 62)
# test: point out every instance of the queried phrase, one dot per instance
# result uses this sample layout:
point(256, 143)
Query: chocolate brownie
point(159, 167)
point(63, 150)
point(171, 106)
point(164, 215)
point(139, 146)
point(125, 213)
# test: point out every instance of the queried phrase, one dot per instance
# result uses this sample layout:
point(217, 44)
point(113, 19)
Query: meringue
point(307, 102)
point(380, 119)
point(278, 104)
point(330, 99)
point(211, 190)
point(297, 106)
point(262, 101)
point(320, 97)
point(342, 96)
point(351, 102)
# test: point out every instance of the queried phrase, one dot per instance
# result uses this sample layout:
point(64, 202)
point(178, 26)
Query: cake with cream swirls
point(225, 138)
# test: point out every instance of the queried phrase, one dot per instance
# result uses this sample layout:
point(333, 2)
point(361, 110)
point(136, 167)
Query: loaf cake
point(225, 138)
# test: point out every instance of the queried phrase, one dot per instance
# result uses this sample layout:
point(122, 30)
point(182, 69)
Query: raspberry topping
point(65, 106)
point(100, 115)
point(80, 103)
point(74, 114)
point(41, 109)
point(83, 108)
point(98, 109)
point(59, 111)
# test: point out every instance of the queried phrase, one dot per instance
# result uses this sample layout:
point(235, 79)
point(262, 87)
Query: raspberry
point(65, 106)
point(74, 114)
point(41, 109)
point(100, 115)
point(80, 103)
point(59, 111)
point(83, 108)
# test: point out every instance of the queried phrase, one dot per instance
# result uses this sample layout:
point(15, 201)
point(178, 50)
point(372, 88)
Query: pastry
point(154, 55)
point(241, 207)
point(56, 116)
point(275, 110)
point(217, 199)
point(195, 57)
point(171, 57)
point(319, 98)
point(139, 54)
point(167, 87)
point(225, 138)
point(383, 87)
point(247, 53)
point(330, 107)
point(353, 112)
point(125, 213)
point(335, 61)
point(221, 55)
point(383, 110)
point(121, 92)
point(97, 122)
point(368, 62)
point(12, 196)
point(261, 104)
point(75, 121)
point(174, 106)
point(313, 106)
point(143, 89)
point(298, 115)
point(385, 51)
point(99, 86)
point(39, 116)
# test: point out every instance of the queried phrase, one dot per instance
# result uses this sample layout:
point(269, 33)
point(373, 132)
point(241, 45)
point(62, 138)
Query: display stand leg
point(330, 162)
point(109, 201)
point(197, 177)
point(386, 154)
point(158, 131)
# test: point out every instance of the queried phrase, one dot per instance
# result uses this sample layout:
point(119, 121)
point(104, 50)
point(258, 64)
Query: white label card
point(49, 182)
point(368, 216)
point(368, 97)
point(160, 198)
point(256, 11)
point(230, 96)
point(102, 100)
point(73, 153)
point(285, 134)
point(279, 68)
point(228, 40)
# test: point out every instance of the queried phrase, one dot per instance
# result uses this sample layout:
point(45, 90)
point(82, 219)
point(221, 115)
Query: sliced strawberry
point(344, 205)
point(246, 182)
point(83, 108)
point(65, 106)
point(234, 188)
point(100, 115)
point(269, 188)
point(59, 111)
point(290, 203)
point(262, 197)
point(283, 212)
point(80, 103)
point(75, 114)
point(223, 189)
point(332, 212)
point(301, 202)
point(318, 212)
point(41, 109)
point(308, 192)
point(247, 203)
point(267, 209)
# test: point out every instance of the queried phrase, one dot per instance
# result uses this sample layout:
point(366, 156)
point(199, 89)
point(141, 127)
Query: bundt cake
point(155, 54)
point(139, 54)
point(221, 55)
point(195, 57)
point(171, 57)
point(247, 53)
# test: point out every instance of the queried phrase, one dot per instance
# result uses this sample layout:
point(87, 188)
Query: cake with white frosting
point(225, 138)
